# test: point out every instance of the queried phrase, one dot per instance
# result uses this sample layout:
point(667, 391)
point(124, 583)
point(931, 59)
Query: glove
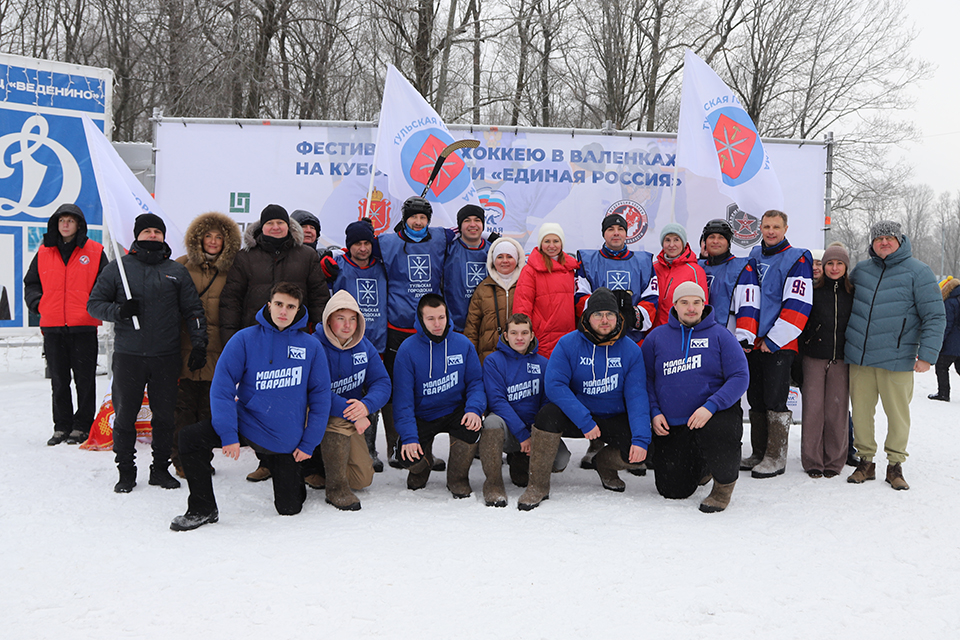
point(197, 359)
point(129, 308)
point(330, 267)
point(627, 310)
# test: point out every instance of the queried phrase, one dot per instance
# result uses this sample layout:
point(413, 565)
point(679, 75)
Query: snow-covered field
point(790, 558)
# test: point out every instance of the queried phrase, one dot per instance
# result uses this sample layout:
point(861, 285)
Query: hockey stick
point(450, 148)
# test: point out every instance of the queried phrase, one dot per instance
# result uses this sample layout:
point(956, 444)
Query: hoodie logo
point(700, 343)
point(476, 272)
point(618, 280)
point(360, 358)
point(533, 368)
point(613, 363)
point(419, 268)
point(297, 353)
point(585, 361)
point(452, 360)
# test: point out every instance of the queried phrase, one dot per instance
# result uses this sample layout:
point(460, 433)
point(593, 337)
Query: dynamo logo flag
point(716, 139)
point(410, 137)
point(122, 196)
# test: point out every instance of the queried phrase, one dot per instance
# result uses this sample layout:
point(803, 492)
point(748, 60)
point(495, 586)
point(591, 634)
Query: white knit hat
point(546, 229)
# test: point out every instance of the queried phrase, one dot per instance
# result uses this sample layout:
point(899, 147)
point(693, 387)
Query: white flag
point(716, 139)
point(410, 138)
point(122, 196)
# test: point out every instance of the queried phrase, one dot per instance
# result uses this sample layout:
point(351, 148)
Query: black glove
point(129, 308)
point(330, 268)
point(627, 310)
point(198, 359)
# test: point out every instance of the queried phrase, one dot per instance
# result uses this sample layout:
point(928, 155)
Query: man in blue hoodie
point(267, 378)
point(437, 388)
point(696, 374)
point(590, 397)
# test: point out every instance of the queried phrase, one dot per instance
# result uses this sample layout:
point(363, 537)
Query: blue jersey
point(735, 295)
point(414, 269)
point(368, 286)
point(633, 272)
point(786, 293)
point(463, 269)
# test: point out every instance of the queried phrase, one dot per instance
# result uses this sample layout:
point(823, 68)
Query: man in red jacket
point(57, 286)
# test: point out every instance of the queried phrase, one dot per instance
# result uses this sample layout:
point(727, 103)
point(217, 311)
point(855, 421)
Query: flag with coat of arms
point(716, 139)
point(410, 138)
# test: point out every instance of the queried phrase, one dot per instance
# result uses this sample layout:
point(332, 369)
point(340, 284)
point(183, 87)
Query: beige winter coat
point(490, 296)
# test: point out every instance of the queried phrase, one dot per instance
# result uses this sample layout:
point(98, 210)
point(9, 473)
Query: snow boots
point(458, 469)
point(335, 449)
point(519, 465)
point(419, 471)
point(608, 462)
point(128, 480)
point(719, 497)
point(774, 461)
point(758, 440)
point(491, 459)
point(543, 450)
point(895, 477)
point(160, 476)
point(190, 521)
point(260, 474)
point(593, 448)
point(370, 437)
point(865, 471)
point(57, 438)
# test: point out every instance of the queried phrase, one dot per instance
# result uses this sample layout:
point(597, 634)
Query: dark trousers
point(427, 430)
point(943, 373)
point(193, 405)
point(685, 454)
point(130, 375)
point(769, 380)
point(614, 430)
point(197, 442)
point(74, 353)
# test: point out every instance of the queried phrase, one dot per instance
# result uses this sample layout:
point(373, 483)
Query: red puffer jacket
point(547, 297)
point(684, 268)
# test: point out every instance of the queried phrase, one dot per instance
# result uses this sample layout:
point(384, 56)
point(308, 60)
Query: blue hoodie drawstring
point(686, 344)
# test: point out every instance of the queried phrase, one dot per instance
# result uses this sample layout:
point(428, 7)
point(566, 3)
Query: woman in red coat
point(546, 287)
point(676, 263)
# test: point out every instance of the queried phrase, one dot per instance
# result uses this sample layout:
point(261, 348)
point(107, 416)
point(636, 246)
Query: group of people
point(432, 330)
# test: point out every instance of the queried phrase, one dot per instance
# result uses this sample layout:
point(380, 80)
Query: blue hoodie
point(432, 380)
point(693, 367)
point(263, 384)
point(585, 380)
point(513, 383)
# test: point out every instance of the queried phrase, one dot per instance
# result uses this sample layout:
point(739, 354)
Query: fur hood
point(252, 234)
point(343, 300)
point(949, 286)
point(199, 226)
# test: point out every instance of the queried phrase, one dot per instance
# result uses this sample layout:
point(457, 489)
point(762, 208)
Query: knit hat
point(306, 218)
point(613, 219)
point(675, 229)
point(468, 210)
point(886, 228)
point(836, 251)
point(601, 299)
point(688, 289)
point(414, 205)
point(507, 248)
point(148, 221)
point(546, 229)
point(273, 212)
point(359, 230)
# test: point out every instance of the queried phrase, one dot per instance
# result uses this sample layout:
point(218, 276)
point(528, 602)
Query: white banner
point(523, 179)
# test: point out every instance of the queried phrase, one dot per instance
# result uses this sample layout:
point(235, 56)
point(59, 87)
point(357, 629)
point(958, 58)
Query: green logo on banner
point(240, 202)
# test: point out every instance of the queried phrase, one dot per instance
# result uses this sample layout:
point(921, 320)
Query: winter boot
point(758, 440)
point(939, 396)
point(76, 437)
point(160, 477)
point(370, 436)
point(260, 474)
point(128, 480)
point(315, 481)
point(458, 471)
point(719, 497)
point(190, 521)
point(608, 462)
point(543, 449)
point(335, 448)
point(491, 459)
point(865, 471)
point(57, 438)
point(587, 462)
point(519, 464)
point(774, 461)
point(419, 471)
point(895, 477)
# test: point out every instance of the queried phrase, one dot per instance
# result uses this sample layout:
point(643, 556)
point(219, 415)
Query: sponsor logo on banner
point(736, 139)
point(379, 211)
point(419, 156)
point(636, 217)
point(367, 292)
point(746, 228)
point(360, 358)
point(700, 343)
point(240, 202)
point(297, 353)
point(618, 280)
point(419, 268)
point(452, 360)
point(476, 272)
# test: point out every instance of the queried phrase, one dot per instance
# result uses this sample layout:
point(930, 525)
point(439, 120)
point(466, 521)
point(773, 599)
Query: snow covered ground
point(790, 558)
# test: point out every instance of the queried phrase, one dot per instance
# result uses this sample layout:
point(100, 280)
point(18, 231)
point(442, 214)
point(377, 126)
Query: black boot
point(519, 464)
point(190, 520)
point(160, 477)
point(128, 480)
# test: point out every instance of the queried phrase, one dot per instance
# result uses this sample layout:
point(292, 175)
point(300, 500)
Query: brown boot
point(587, 462)
point(758, 440)
point(315, 481)
point(719, 497)
point(419, 471)
point(895, 477)
point(774, 461)
point(259, 475)
point(865, 471)
point(458, 471)
point(491, 459)
point(608, 462)
point(543, 449)
point(335, 448)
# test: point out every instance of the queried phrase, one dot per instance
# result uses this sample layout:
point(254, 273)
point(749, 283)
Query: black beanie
point(359, 230)
point(471, 210)
point(273, 212)
point(148, 221)
point(613, 219)
point(601, 299)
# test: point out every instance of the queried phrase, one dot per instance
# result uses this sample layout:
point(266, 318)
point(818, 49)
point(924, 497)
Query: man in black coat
point(161, 294)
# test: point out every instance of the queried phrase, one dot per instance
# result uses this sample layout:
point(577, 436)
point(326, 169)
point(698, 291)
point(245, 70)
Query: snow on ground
point(791, 557)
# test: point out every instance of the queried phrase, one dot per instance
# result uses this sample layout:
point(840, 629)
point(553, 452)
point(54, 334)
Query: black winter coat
point(166, 293)
point(823, 337)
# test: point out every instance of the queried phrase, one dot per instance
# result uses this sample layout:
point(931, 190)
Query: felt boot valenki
point(608, 462)
point(758, 440)
point(543, 449)
point(774, 462)
point(335, 448)
point(458, 469)
point(419, 471)
point(719, 497)
point(587, 462)
point(491, 459)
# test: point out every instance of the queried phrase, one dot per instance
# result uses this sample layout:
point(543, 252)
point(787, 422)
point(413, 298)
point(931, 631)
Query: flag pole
point(373, 173)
